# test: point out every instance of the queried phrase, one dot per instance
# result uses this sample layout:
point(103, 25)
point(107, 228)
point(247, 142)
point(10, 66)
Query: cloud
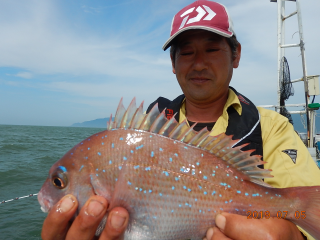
point(26, 75)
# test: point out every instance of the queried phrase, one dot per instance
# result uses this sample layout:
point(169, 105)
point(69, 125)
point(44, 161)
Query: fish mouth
point(45, 204)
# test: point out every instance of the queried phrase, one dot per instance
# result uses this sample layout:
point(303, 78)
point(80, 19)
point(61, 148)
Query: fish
point(173, 180)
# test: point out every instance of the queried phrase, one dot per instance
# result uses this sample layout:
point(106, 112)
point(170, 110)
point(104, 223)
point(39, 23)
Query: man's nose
point(200, 62)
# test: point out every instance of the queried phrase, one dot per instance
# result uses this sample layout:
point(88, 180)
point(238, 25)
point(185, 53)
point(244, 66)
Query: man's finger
point(239, 227)
point(116, 224)
point(216, 234)
point(57, 223)
point(87, 222)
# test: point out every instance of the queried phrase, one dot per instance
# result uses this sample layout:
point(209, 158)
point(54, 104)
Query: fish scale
point(172, 184)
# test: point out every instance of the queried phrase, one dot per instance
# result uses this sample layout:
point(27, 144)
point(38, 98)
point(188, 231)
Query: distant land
point(297, 123)
point(97, 123)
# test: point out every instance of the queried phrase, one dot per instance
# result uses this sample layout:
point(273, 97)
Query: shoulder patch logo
point(292, 153)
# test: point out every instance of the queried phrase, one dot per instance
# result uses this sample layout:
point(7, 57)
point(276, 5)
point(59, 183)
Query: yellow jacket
point(277, 135)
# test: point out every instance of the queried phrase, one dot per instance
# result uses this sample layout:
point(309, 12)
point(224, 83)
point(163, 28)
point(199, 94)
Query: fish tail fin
point(308, 218)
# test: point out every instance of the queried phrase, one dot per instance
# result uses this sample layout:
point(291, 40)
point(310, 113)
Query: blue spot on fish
point(144, 191)
point(81, 168)
point(121, 138)
point(179, 205)
point(150, 191)
point(199, 211)
point(213, 193)
point(139, 147)
point(102, 143)
point(238, 191)
point(136, 167)
point(147, 168)
point(152, 154)
point(189, 190)
point(103, 170)
point(212, 174)
point(172, 187)
point(150, 136)
point(131, 151)
point(160, 194)
point(129, 183)
point(97, 169)
point(184, 187)
point(102, 137)
point(226, 202)
point(120, 167)
point(200, 187)
point(166, 173)
point(110, 162)
point(220, 195)
point(112, 145)
point(170, 159)
point(63, 168)
point(105, 136)
point(86, 157)
point(266, 192)
point(160, 149)
point(205, 193)
point(176, 178)
point(247, 194)
point(88, 148)
point(205, 177)
point(176, 154)
point(230, 200)
point(197, 164)
point(186, 147)
point(172, 210)
point(71, 153)
point(201, 154)
point(99, 153)
point(229, 186)
point(124, 158)
point(97, 174)
point(227, 174)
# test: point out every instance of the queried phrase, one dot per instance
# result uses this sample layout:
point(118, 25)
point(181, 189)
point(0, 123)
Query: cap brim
point(217, 31)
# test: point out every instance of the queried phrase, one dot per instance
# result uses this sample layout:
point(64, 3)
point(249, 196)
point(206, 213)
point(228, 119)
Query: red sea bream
point(171, 179)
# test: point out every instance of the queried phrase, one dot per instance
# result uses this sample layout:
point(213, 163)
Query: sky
point(63, 62)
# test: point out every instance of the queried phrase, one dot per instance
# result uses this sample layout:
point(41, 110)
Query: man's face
point(204, 65)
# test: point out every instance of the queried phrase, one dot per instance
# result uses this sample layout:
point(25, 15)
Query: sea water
point(26, 155)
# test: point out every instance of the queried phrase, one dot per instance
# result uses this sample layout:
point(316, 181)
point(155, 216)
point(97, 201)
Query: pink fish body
point(172, 180)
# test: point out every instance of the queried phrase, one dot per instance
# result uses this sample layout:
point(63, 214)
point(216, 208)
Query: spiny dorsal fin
point(220, 146)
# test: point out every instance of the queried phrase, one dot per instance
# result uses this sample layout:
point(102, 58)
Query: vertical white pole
point(310, 125)
point(281, 41)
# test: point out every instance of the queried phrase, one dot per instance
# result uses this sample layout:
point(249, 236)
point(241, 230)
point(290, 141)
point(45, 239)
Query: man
point(204, 51)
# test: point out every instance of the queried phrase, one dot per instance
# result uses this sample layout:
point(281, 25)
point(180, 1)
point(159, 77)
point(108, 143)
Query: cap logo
point(201, 13)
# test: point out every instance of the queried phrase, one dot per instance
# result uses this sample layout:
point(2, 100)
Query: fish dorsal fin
point(220, 146)
point(119, 115)
point(137, 118)
point(150, 118)
point(127, 117)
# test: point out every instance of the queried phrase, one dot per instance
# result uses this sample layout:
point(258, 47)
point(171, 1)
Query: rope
point(17, 198)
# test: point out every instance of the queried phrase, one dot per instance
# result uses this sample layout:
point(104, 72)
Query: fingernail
point(221, 221)
point(95, 208)
point(66, 204)
point(117, 220)
point(209, 233)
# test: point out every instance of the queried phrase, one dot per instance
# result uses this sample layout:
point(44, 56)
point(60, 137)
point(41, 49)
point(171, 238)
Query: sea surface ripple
point(26, 155)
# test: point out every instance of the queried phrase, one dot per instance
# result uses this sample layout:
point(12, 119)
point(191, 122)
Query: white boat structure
point(311, 83)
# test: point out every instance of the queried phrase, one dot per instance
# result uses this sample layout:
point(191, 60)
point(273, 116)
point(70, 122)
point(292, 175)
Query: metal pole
point(310, 128)
point(281, 40)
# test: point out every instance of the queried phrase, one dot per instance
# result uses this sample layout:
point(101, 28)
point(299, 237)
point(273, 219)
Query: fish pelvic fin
point(307, 214)
point(220, 146)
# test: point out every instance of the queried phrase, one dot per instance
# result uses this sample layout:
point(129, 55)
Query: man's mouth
point(199, 80)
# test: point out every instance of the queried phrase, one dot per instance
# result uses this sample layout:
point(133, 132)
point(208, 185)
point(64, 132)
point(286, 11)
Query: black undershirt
point(200, 126)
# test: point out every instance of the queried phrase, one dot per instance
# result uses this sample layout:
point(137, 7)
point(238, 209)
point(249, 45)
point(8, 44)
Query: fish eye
point(58, 182)
point(59, 178)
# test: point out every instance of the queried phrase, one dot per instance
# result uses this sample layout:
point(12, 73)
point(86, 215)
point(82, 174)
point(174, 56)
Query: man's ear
point(173, 66)
point(237, 57)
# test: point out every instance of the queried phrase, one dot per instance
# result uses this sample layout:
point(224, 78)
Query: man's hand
point(57, 225)
point(236, 227)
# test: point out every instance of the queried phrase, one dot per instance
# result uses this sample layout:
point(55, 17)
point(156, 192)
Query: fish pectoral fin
point(99, 186)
